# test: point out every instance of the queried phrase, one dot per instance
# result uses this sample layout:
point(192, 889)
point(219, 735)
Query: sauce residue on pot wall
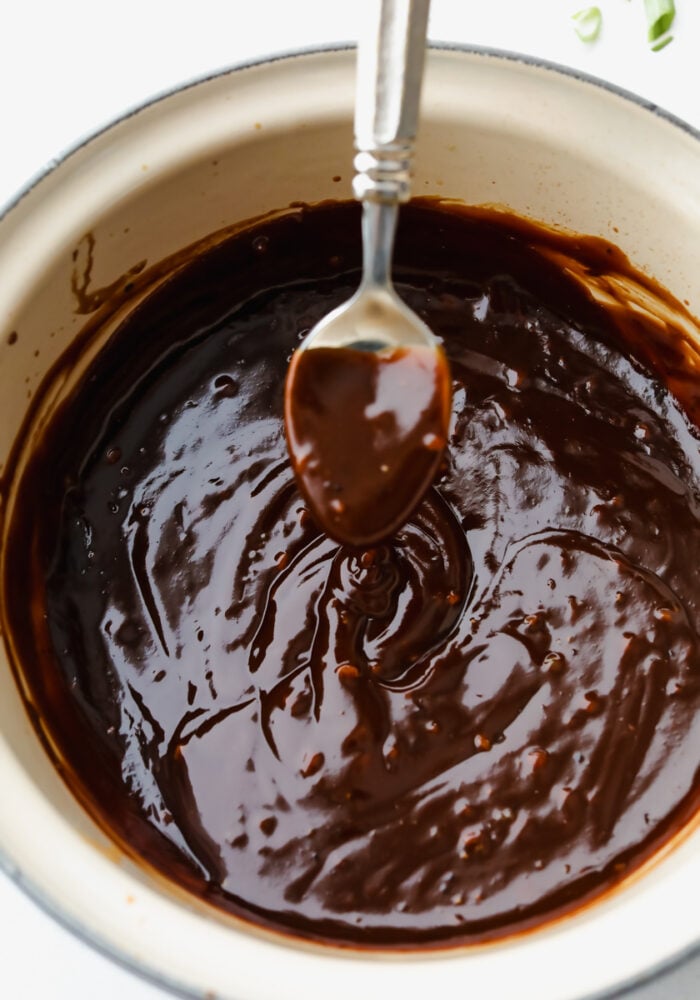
point(461, 732)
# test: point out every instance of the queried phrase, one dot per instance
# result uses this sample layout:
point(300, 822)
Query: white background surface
point(69, 66)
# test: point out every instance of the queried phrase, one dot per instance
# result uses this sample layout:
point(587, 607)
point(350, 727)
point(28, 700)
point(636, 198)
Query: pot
point(496, 130)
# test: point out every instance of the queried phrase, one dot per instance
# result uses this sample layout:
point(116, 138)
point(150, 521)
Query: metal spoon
point(367, 395)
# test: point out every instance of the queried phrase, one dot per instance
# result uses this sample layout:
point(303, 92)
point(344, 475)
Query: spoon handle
point(390, 60)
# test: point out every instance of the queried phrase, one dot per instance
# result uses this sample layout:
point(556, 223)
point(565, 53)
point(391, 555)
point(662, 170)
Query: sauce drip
point(481, 722)
point(366, 432)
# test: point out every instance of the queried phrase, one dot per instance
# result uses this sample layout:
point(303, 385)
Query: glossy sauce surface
point(449, 736)
point(366, 432)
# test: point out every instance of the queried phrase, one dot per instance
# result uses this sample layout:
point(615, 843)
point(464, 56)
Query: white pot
point(495, 129)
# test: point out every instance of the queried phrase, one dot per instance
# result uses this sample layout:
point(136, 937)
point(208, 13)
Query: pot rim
point(24, 882)
point(507, 55)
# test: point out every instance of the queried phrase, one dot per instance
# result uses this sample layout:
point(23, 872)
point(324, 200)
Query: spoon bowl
point(367, 409)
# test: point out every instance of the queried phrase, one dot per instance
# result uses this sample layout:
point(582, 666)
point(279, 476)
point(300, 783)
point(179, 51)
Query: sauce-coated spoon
point(367, 396)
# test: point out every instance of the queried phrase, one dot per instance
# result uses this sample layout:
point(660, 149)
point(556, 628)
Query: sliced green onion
point(660, 15)
point(587, 23)
point(662, 44)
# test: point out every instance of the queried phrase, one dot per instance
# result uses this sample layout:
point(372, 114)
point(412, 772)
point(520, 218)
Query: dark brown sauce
point(366, 432)
point(452, 735)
